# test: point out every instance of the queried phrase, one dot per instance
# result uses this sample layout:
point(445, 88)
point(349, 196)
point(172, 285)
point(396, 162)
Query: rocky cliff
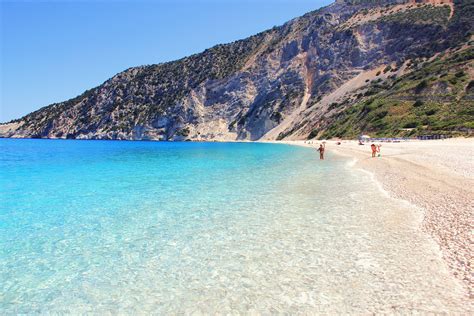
point(387, 68)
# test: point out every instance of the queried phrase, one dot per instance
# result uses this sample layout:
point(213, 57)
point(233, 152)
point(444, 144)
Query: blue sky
point(54, 50)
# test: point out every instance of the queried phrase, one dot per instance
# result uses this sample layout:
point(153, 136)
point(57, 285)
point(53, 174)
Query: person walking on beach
point(321, 151)
point(378, 149)
point(374, 150)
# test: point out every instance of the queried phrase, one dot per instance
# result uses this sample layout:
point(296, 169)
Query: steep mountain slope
point(317, 75)
point(436, 97)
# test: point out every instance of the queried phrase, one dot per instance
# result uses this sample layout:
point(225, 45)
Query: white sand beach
point(434, 175)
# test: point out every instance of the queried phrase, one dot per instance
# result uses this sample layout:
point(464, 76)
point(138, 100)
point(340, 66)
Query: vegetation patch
point(426, 14)
point(412, 104)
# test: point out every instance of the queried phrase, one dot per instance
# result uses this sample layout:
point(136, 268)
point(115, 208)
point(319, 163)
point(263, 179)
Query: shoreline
point(275, 230)
point(436, 176)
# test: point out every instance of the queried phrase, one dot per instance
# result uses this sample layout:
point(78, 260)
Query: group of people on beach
point(322, 147)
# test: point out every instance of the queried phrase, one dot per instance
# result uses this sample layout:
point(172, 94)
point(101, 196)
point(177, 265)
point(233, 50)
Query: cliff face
point(299, 80)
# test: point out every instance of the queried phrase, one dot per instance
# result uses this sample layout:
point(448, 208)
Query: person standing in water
point(321, 151)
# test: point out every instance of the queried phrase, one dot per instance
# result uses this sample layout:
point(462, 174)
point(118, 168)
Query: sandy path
point(436, 175)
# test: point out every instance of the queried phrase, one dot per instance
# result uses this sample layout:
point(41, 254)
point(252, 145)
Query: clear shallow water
point(96, 226)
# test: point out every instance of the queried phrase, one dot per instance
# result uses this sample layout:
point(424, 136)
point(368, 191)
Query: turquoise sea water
point(108, 226)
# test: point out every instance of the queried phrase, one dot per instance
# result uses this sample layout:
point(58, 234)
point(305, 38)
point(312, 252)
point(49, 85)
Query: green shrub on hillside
point(418, 103)
point(391, 111)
